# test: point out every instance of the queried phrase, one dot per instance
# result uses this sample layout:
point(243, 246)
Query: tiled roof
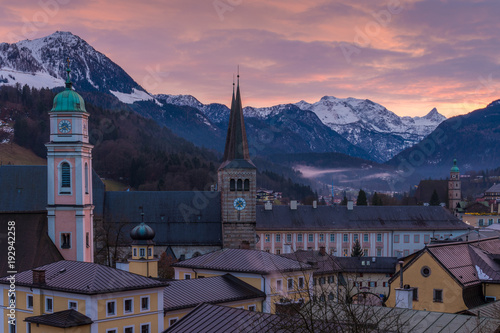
point(33, 245)
point(183, 294)
point(85, 278)
point(323, 263)
point(238, 260)
point(494, 189)
point(178, 218)
point(24, 189)
point(62, 319)
point(360, 218)
point(491, 310)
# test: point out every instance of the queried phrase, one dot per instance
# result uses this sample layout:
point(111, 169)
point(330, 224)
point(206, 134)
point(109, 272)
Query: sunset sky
point(409, 56)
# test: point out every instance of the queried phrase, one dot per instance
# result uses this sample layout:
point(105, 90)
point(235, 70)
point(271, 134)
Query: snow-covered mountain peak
point(188, 100)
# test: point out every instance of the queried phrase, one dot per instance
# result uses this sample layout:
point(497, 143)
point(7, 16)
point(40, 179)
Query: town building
point(480, 214)
point(451, 277)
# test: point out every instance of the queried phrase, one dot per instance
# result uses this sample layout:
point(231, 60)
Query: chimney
point(293, 204)
point(322, 251)
point(268, 206)
point(38, 276)
point(315, 204)
point(404, 294)
point(350, 205)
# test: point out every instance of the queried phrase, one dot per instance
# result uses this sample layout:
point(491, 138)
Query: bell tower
point(454, 187)
point(69, 177)
point(236, 182)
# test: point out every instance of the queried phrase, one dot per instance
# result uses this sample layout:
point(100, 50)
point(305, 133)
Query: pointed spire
point(68, 81)
point(236, 140)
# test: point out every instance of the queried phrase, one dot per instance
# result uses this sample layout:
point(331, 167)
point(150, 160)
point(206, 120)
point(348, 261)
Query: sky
point(408, 55)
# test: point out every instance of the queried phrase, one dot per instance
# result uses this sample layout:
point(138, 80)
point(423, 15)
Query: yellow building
point(281, 279)
point(451, 277)
point(71, 296)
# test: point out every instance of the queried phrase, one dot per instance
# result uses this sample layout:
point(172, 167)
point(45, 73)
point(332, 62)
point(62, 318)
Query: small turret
point(143, 260)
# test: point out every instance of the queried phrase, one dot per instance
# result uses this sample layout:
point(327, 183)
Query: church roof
point(360, 218)
point(427, 187)
point(68, 100)
point(236, 149)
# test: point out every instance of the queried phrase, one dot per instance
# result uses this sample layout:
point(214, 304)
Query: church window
point(239, 185)
point(86, 178)
point(65, 241)
point(232, 185)
point(246, 185)
point(65, 178)
point(142, 253)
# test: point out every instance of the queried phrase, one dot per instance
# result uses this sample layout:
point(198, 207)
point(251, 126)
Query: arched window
point(246, 185)
point(239, 185)
point(232, 185)
point(86, 178)
point(65, 178)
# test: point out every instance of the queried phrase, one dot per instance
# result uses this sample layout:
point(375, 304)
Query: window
point(73, 305)
point(425, 271)
point(145, 328)
point(379, 252)
point(290, 284)
point(315, 282)
point(12, 326)
point(112, 330)
point(299, 238)
point(246, 185)
point(366, 253)
point(111, 308)
point(278, 251)
point(379, 237)
point(365, 238)
point(331, 279)
point(135, 252)
point(29, 302)
point(416, 239)
point(322, 298)
point(87, 240)
point(252, 308)
point(268, 238)
point(142, 252)
point(65, 178)
point(490, 221)
point(145, 303)
point(396, 238)
point(278, 285)
point(301, 282)
point(438, 295)
point(407, 238)
point(321, 237)
point(426, 239)
point(346, 238)
point(278, 238)
point(345, 252)
point(86, 178)
point(332, 238)
point(385, 284)
point(128, 305)
point(311, 238)
point(481, 222)
point(372, 284)
point(239, 185)
point(187, 276)
point(150, 252)
point(415, 294)
point(498, 221)
point(355, 237)
point(65, 240)
point(406, 253)
point(49, 304)
point(358, 284)
point(289, 238)
point(232, 185)
point(128, 329)
point(331, 297)
point(28, 327)
point(322, 280)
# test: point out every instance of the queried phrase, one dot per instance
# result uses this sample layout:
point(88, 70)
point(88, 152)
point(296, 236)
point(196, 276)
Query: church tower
point(143, 260)
point(454, 187)
point(236, 182)
point(69, 177)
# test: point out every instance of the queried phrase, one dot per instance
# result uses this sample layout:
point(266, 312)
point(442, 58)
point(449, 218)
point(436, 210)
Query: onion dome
point(454, 168)
point(142, 234)
point(68, 100)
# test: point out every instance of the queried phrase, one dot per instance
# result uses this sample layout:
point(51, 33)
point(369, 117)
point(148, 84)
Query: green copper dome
point(454, 168)
point(68, 100)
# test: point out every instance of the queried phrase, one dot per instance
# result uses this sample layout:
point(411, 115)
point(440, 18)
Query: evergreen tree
point(344, 201)
point(362, 199)
point(376, 200)
point(434, 199)
point(356, 250)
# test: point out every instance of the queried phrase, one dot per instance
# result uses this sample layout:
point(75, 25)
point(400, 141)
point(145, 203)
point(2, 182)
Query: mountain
point(473, 139)
point(371, 126)
point(41, 63)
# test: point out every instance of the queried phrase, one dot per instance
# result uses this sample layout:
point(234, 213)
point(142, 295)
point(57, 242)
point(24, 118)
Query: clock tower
point(454, 187)
point(236, 182)
point(69, 177)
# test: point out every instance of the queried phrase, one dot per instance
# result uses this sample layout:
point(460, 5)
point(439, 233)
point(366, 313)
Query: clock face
point(64, 126)
point(239, 203)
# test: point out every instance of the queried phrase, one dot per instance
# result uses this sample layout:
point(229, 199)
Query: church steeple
point(236, 148)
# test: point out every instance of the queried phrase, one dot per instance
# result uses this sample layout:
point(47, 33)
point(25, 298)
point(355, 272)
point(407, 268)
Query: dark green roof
point(68, 100)
point(454, 168)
